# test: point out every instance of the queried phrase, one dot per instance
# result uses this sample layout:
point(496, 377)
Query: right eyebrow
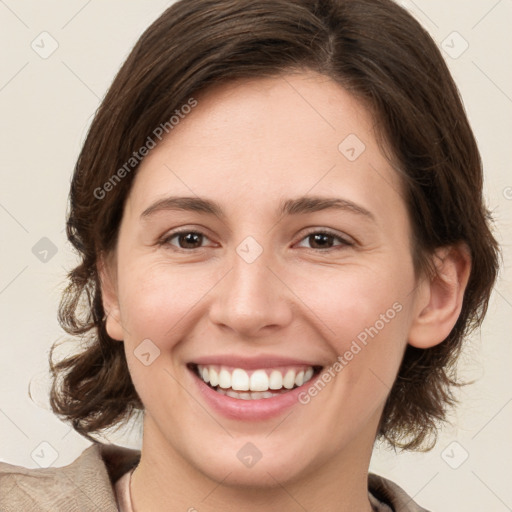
point(195, 204)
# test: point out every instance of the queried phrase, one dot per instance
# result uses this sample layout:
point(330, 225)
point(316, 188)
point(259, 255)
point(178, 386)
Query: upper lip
point(251, 363)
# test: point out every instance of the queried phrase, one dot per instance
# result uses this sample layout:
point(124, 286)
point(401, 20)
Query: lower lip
point(250, 410)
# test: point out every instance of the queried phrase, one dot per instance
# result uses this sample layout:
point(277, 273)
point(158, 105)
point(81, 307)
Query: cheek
point(156, 310)
point(354, 298)
point(365, 318)
point(154, 299)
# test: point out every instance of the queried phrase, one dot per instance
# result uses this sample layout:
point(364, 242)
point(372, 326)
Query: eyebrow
point(300, 205)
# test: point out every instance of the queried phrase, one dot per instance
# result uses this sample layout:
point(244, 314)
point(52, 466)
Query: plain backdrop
point(58, 59)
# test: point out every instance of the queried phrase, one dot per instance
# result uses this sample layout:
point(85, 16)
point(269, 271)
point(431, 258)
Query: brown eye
point(319, 240)
point(186, 239)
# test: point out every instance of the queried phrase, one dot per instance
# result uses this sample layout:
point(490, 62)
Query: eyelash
point(343, 242)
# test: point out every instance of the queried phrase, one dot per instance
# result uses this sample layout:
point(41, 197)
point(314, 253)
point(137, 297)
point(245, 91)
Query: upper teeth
point(257, 380)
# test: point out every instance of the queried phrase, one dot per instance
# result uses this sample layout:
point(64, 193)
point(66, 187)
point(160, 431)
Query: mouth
point(254, 384)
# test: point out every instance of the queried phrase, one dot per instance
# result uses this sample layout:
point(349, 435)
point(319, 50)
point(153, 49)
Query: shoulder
point(86, 483)
point(389, 496)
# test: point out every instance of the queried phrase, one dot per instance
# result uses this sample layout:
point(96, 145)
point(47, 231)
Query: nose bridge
point(251, 297)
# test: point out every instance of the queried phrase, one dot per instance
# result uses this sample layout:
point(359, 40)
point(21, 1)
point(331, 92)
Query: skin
point(248, 145)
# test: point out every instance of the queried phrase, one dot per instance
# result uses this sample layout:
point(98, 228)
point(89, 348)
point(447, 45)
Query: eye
point(324, 240)
point(318, 240)
point(186, 239)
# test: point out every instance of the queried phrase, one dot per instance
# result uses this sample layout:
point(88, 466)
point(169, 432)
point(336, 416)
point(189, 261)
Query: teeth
point(289, 379)
point(259, 382)
point(239, 380)
point(224, 379)
point(214, 377)
point(256, 395)
point(276, 380)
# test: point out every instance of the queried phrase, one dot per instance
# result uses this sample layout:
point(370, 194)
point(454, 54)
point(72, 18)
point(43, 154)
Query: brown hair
point(374, 49)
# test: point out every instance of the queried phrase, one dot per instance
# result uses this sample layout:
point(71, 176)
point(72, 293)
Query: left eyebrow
point(308, 204)
point(301, 205)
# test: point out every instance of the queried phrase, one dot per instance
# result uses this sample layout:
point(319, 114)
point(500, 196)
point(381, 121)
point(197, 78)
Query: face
point(290, 260)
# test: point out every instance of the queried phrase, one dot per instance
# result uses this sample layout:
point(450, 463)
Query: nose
point(252, 298)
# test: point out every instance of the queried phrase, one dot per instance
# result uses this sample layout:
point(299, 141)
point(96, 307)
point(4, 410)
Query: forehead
point(267, 139)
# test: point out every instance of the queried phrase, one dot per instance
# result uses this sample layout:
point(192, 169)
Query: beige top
point(99, 480)
point(124, 500)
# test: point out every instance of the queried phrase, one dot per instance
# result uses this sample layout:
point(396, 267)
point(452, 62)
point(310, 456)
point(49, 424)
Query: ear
point(108, 282)
point(440, 301)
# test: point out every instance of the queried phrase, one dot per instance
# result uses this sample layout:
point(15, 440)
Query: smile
point(255, 384)
point(251, 389)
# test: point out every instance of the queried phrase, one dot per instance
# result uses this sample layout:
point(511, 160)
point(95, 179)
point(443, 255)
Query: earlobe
point(106, 273)
point(439, 302)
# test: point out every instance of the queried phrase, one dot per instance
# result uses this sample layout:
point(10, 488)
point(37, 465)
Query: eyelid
point(344, 239)
point(165, 239)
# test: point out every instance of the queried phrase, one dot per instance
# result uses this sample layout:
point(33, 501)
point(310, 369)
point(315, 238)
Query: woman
point(283, 243)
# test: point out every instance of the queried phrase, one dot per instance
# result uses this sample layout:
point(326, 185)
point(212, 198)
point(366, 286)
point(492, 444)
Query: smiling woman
point(286, 276)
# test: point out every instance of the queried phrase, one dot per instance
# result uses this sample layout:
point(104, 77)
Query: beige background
point(46, 107)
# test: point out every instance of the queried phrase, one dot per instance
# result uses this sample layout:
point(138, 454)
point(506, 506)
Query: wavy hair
point(374, 49)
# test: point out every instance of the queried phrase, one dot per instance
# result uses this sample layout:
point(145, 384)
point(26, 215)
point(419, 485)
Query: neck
point(165, 481)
